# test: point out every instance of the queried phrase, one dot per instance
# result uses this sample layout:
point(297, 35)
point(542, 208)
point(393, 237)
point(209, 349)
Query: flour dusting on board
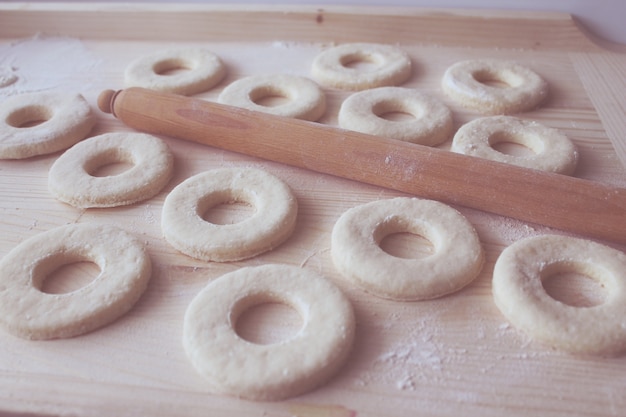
point(45, 63)
point(417, 358)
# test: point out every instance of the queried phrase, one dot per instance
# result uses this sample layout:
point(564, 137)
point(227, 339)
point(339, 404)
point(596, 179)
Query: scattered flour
point(43, 63)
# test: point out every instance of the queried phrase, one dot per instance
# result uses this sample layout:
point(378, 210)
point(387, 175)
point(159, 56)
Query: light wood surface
point(452, 356)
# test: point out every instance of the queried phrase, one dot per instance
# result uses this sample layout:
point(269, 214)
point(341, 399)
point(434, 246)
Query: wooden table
point(452, 356)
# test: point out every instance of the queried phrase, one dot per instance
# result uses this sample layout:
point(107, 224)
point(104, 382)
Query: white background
point(606, 18)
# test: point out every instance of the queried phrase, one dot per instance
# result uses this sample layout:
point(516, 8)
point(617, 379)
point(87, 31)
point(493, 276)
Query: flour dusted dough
point(271, 224)
point(466, 83)
point(234, 366)
point(553, 151)
point(306, 100)
point(70, 178)
point(391, 66)
point(357, 255)
point(66, 118)
point(431, 123)
point(29, 313)
point(201, 71)
point(519, 294)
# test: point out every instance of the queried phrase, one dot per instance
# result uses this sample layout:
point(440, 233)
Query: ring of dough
point(271, 224)
point(357, 255)
point(519, 294)
point(306, 100)
point(71, 178)
point(552, 150)
point(431, 123)
point(27, 312)
point(389, 66)
point(64, 120)
point(466, 82)
point(201, 71)
point(235, 366)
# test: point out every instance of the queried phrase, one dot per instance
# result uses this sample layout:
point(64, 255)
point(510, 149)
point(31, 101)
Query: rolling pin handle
point(105, 101)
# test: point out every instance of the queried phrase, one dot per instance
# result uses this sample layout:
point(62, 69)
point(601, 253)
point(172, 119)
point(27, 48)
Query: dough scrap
point(271, 224)
point(27, 312)
point(71, 178)
point(520, 296)
point(355, 248)
point(553, 151)
point(66, 118)
point(7, 76)
point(391, 66)
point(306, 100)
point(234, 366)
point(466, 83)
point(202, 70)
point(431, 123)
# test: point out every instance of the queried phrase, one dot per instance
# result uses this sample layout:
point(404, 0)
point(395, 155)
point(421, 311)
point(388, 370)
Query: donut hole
point(269, 96)
point(575, 284)
point(361, 61)
point(29, 116)
point(516, 143)
point(407, 245)
point(109, 162)
point(396, 111)
point(63, 274)
point(172, 66)
point(498, 79)
point(402, 239)
point(228, 207)
point(266, 319)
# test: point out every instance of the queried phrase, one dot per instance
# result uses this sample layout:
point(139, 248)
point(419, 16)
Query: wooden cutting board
point(452, 356)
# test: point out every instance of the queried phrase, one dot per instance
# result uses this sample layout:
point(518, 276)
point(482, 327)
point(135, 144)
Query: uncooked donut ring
point(202, 71)
point(63, 119)
point(431, 123)
point(466, 83)
point(29, 313)
point(275, 371)
point(306, 99)
point(552, 150)
point(357, 255)
point(391, 66)
point(519, 294)
point(71, 178)
point(271, 224)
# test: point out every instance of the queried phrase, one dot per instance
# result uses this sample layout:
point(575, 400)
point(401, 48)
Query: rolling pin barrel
point(572, 204)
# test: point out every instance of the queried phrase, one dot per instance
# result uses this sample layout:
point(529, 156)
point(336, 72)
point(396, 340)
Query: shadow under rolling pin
point(572, 204)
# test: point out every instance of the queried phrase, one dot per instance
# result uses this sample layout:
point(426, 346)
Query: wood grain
point(446, 357)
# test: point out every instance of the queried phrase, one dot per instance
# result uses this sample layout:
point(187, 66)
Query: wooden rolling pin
point(588, 208)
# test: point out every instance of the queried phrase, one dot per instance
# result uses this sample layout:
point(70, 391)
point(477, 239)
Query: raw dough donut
point(357, 255)
point(29, 313)
point(465, 82)
point(553, 151)
point(65, 119)
point(306, 98)
point(71, 178)
point(391, 66)
point(275, 371)
point(519, 294)
point(431, 123)
point(202, 71)
point(271, 224)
